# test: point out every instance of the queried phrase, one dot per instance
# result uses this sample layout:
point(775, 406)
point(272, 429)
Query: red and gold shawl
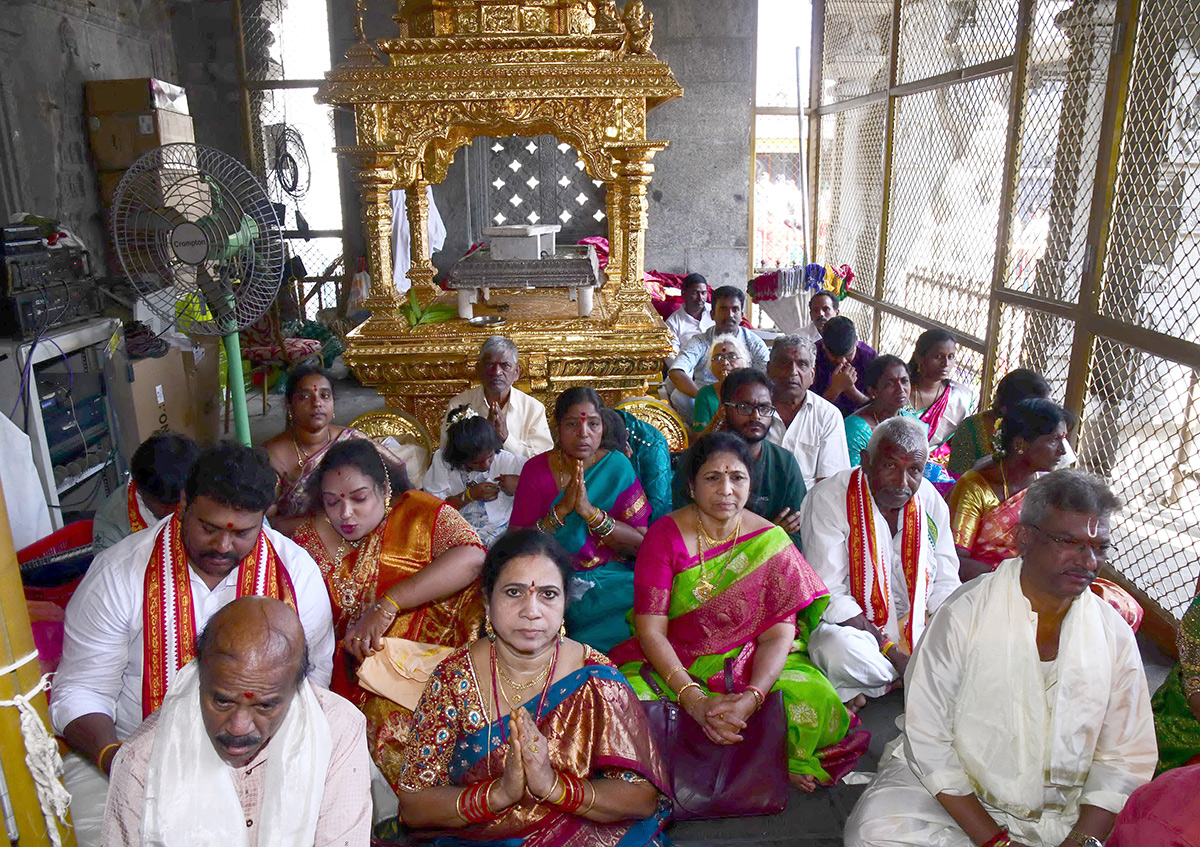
point(136, 522)
point(168, 612)
point(870, 582)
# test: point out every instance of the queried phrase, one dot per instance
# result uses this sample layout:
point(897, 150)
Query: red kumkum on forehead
point(249, 695)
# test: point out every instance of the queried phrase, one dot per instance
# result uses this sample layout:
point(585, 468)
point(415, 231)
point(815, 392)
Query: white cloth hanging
point(401, 249)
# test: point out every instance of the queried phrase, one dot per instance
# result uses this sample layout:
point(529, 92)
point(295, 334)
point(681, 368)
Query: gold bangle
point(668, 677)
point(549, 793)
point(583, 812)
point(692, 684)
point(458, 807)
point(103, 750)
point(388, 597)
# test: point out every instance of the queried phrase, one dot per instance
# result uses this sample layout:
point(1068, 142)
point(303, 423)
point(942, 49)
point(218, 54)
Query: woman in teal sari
point(714, 582)
point(590, 500)
point(527, 737)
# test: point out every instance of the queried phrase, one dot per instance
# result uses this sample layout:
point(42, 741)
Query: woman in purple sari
point(590, 500)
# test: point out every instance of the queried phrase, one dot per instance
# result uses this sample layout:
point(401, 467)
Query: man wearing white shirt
point(132, 623)
point(1027, 714)
point(693, 317)
point(520, 420)
point(822, 306)
point(804, 424)
point(691, 370)
point(879, 536)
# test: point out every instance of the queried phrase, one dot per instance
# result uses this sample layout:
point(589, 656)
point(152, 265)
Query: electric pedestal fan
point(198, 237)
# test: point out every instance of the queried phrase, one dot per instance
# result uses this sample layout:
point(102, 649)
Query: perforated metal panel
point(542, 180)
point(856, 49)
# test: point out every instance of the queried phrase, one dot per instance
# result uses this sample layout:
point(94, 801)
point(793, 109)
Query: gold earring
point(562, 632)
point(487, 627)
point(387, 491)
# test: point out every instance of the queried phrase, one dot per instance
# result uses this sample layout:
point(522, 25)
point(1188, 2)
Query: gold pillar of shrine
point(580, 71)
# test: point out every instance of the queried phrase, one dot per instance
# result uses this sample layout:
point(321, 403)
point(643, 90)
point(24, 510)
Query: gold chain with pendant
point(704, 589)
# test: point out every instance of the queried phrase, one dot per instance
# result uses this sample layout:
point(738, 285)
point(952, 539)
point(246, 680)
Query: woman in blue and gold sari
point(527, 737)
point(590, 500)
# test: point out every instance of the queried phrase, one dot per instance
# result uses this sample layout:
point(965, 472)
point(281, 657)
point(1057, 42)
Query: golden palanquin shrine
point(580, 71)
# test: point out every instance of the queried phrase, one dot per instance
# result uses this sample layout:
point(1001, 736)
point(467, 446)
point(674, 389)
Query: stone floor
point(810, 820)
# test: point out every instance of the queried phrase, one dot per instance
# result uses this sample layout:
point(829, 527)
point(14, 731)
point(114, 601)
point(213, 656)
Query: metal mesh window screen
point(857, 39)
point(1059, 140)
point(899, 337)
point(778, 200)
point(947, 173)
point(1144, 440)
point(1034, 340)
point(1153, 264)
point(936, 36)
point(863, 317)
point(850, 191)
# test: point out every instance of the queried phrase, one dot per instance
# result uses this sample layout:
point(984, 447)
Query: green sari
point(1177, 728)
point(758, 580)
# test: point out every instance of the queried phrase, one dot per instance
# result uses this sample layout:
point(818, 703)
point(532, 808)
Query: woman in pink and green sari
point(941, 402)
point(590, 500)
point(715, 582)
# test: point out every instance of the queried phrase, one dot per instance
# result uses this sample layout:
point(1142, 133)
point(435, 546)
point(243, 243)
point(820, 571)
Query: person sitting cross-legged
point(1027, 716)
point(879, 536)
point(132, 623)
point(527, 737)
point(805, 424)
point(697, 564)
point(244, 749)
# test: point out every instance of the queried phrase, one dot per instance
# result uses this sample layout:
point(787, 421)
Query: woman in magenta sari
point(985, 503)
point(590, 500)
point(527, 737)
point(941, 402)
point(714, 582)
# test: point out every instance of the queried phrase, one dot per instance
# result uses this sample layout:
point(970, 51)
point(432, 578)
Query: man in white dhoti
point(879, 536)
point(520, 420)
point(244, 749)
point(132, 623)
point(1027, 714)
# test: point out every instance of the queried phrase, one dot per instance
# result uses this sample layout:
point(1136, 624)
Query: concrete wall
point(207, 55)
point(48, 49)
point(699, 206)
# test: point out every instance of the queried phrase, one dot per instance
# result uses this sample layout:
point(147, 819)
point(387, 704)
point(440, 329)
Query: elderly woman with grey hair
point(879, 536)
point(726, 354)
point(520, 420)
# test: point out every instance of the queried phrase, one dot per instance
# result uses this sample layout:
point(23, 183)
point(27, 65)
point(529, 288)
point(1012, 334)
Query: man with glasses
point(778, 486)
point(1027, 715)
point(879, 536)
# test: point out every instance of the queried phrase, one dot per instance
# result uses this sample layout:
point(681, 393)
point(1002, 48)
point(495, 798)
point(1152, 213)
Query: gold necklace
point(302, 457)
point(704, 589)
point(514, 701)
point(1003, 480)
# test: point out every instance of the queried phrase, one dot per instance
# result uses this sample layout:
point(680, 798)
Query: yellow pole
point(16, 642)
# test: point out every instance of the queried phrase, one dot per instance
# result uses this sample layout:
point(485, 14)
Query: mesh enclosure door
point(966, 155)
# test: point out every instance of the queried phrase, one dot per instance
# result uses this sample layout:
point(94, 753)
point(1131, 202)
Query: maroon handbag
point(711, 780)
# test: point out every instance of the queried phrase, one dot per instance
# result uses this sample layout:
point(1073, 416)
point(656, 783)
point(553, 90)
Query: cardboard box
point(148, 396)
point(204, 390)
point(119, 138)
point(134, 95)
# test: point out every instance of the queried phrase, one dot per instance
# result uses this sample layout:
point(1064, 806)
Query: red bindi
point(249, 695)
point(229, 526)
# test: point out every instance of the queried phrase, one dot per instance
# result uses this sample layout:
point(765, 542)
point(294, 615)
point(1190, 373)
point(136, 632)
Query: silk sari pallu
point(710, 780)
point(589, 715)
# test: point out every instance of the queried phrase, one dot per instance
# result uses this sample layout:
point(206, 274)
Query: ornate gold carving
point(660, 416)
point(400, 425)
point(578, 70)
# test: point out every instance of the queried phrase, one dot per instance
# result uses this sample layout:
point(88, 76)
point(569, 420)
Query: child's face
point(481, 462)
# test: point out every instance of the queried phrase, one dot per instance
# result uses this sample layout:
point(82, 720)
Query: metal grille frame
point(1088, 270)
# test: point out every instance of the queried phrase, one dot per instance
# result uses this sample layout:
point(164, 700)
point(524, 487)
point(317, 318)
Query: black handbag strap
point(648, 676)
point(729, 676)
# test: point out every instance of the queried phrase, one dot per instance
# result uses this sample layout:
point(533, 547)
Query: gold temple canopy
point(582, 72)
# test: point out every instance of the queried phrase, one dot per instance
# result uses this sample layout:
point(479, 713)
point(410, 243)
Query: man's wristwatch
point(1084, 840)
